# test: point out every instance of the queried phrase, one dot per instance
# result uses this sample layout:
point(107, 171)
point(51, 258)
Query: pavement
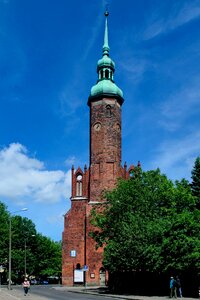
point(17, 294)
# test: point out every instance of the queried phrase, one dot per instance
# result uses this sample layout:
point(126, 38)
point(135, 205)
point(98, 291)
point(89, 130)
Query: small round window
point(79, 177)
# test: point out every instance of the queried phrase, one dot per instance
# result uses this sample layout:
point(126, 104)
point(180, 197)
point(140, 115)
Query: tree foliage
point(4, 227)
point(151, 224)
point(41, 255)
point(196, 180)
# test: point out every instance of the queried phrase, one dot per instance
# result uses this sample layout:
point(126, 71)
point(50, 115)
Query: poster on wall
point(78, 275)
point(73, 253)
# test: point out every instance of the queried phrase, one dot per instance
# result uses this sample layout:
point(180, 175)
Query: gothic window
point(79, 185)
point(108, 111)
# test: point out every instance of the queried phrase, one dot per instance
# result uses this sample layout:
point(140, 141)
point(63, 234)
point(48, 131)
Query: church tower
point(82, 263)
point(105, 102)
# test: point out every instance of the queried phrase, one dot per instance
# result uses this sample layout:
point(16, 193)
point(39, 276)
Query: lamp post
point(25, 257)
point(25, 254)
point(10, 247)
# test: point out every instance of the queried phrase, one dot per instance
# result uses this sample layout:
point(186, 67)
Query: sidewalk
point(17, 294)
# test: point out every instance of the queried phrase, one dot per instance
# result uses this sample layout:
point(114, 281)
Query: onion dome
point(105, 85)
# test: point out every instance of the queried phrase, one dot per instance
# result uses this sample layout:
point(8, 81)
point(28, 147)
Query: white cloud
point(70, 161)
point(23, 177)
point(70, 101)
point(177, 18)
point(69, 104)
point(182, 105)
point(93, 36)
point(95, 29)
point(176, 157)
point(134, 67)
point(55, 219)
point(189, 11)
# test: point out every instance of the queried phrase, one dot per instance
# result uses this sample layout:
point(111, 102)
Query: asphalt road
point(51, 293)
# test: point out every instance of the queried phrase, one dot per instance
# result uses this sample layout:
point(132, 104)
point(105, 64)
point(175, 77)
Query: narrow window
point(79, 185)
point(108, 111)
point(111, 75)
point(107, 74)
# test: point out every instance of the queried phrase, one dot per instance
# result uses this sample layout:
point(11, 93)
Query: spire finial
point(106, 46)
point(106, 12)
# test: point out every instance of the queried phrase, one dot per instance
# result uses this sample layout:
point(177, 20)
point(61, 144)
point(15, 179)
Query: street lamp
point(25, 254)
point(10, 245)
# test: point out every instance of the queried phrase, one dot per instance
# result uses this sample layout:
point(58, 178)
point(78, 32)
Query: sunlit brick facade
point(105, 102)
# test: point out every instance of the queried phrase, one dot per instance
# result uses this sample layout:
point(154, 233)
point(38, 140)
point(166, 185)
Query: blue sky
point(48, 56)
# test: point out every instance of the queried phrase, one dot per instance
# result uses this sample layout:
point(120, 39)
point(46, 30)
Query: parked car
point(33, 281)
point(44, 282)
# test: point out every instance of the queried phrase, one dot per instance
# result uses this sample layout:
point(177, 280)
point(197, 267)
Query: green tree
point(23, 244)
point(195, 185)
point(148, 222)
point(49, 257)
point(41, 254)
point(4, 240)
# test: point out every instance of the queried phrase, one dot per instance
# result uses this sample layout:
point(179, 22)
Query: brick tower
point(105, 103)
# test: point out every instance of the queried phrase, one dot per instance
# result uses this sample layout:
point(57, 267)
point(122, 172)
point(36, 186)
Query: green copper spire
point(105, 46)
point(105, 85)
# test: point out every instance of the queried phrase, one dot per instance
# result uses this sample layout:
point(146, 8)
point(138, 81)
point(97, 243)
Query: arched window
point(78, 266)
point(101, 74)
point(108, 110)
point(107, 74)
point(79, 185)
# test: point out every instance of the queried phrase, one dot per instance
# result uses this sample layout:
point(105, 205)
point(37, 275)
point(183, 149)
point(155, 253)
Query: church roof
point(105, 85)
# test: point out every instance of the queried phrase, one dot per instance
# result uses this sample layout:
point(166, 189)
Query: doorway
point(102, 275)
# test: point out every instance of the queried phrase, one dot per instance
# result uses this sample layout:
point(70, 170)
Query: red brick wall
point(73, 239)
point(105, 168)
point(105, 146)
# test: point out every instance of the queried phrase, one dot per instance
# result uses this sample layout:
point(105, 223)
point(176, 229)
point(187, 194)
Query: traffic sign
point(85, 268)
